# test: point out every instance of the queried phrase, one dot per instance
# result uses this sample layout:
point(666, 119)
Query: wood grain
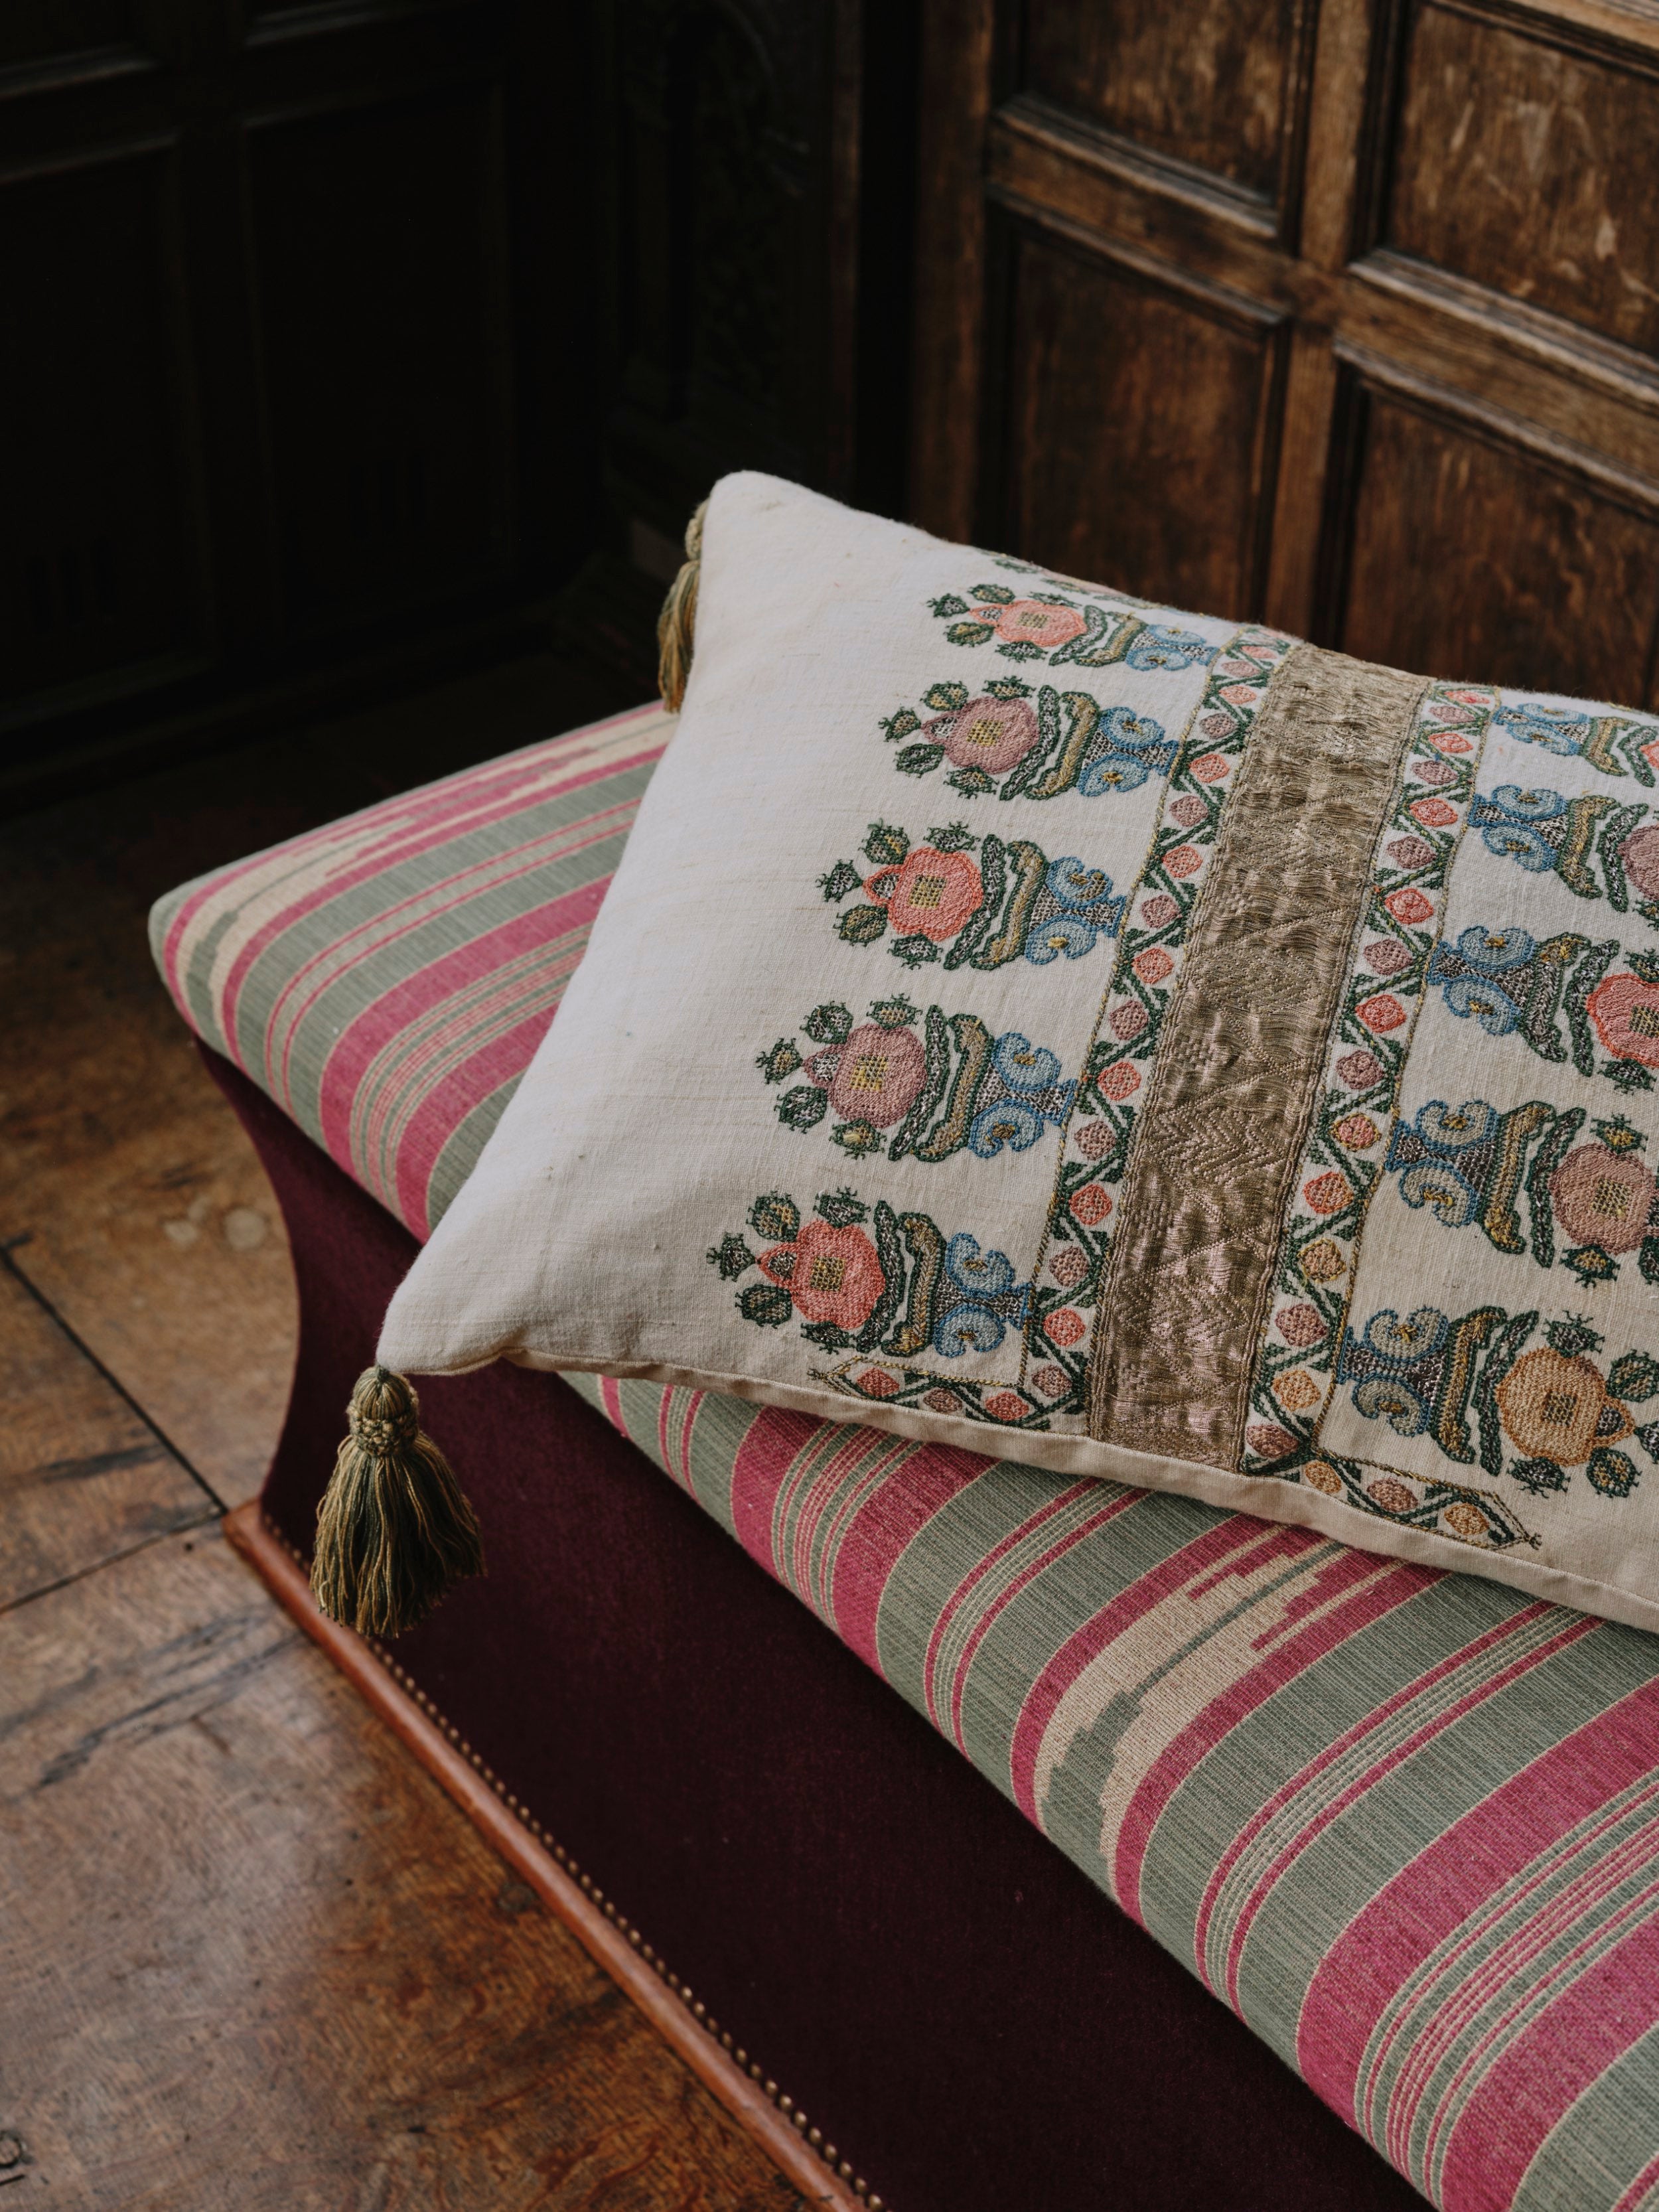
point(250, 1955)
point(82, 1477)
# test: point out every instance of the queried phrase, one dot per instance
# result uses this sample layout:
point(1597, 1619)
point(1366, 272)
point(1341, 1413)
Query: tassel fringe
point(394, 1529)
point(676, 624)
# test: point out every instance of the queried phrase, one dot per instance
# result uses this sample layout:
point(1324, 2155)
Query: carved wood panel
point(1434, 219)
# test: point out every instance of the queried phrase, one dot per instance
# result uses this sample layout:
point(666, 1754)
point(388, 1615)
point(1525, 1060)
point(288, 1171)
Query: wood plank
point(250, 1955)
point(83, 1478)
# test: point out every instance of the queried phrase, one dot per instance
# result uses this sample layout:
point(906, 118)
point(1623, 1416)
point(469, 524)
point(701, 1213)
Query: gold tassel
point(676, 624)
point(394, 1529)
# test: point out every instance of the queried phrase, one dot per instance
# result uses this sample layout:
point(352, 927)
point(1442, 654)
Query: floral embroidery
point(1471, 1387)
point(1470, 1164)
point(1010, 901)
point(1126, 1038)
point(1617, 744)
point(1066, 742)
point(898, 1284)
point(939, 1083)
point(1556, 996)
point(1351, 1124)
point(1047, 625)
point(1544, 831)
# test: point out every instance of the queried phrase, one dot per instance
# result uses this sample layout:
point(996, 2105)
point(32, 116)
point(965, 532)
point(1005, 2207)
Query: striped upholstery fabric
point(1407, 1823)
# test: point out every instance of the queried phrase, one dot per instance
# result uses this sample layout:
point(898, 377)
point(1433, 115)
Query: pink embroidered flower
point(1051, 1380)
point(832, 1275)
point(1451, 741)
point(1210, 767)
point(1032, 622)
point(1300, 1326)
point(1091, 1205)
point(1158, 909)
point(1640, 855)
point(878, 1073)
point(1068, 1266)
point(1357, 1132)
point(1625, 1013)
point(931, 895)
point(1603, 1197)
point(1094, 1140)
point(1359, 1070)
point(1187, 812)
point(1269, 1441)
point(1006, 1406)
point(1153, 964)
point(1120, 1080)
point(1434, 813)
point(1065, 1327)
point(1241, 694)
point(987, 733)
point(1410, 852)
point(1409, 906)
point(1127, 1020)
point(1325, 1194)
point(877, 1383)
point(1381, 1013)
point(1435, 772)
point(942, 1401)
point(1391, 1495)
point(1387, 956)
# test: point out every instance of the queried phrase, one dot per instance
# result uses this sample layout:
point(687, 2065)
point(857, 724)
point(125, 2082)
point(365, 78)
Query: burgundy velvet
point(946, 1997)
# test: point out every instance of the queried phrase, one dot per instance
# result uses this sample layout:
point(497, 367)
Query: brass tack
point(785, 2103)
point(699, 2009)
point(771, 2089)
point(815, 2135)
point(755, 2069)
point(726, 2038)
point(801, 2122)
point(633, 1937)
point(875, 2204)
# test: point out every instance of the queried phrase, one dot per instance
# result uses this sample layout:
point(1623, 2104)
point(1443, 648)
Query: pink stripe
point(693, 1406)
point(1428, 1901)
point(1643, 2185)
point(1236, 1543)
point(610, 1399)
point(1263, 1888)
point(1601, 2012)
point(1374, 1589)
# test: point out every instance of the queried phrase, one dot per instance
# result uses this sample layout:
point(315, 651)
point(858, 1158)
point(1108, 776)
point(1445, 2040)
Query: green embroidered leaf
point(857, 1138)
point(1620, 1135)
point(920, 760)
point(997, 595)
point(1050, 599)
point(970, 632)
point(1020, 651)
point(885, 845)
point(732, 1256)
point(895, 1013)
point(1612, 1473)
point(949, 604)
point(1628, 1074)
point(1646, 965)
point(1591, 1264)
point(946, 697)
point(782, 1061)
point(775, 1217)
point(841, 1208)
point(862, 925)
point(804, 1107)
point(841, 879)
point(901, 724)
point(953, 837)
point(1539, 1475)
point(1009, 687)
point(914, 952)
point(1634, 1377)
point(971, 782)
point(826, 1332)
point(1571, 1337)
point(768, 1303)
point(830, 1023)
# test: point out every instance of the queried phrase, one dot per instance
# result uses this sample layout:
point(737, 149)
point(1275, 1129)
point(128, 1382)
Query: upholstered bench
point(1171, 1806)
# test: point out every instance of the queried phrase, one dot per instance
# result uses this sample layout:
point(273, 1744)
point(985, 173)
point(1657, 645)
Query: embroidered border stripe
point(1202, 1207)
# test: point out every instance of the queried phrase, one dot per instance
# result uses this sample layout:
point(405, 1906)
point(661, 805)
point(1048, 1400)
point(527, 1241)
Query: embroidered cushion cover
point(1125, 1040)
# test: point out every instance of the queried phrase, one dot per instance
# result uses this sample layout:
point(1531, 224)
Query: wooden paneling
point(1573, 602)
point(382, 301)
point(104, 551)
point(1205, 81)
point(1531, 168)
point(1139, 412)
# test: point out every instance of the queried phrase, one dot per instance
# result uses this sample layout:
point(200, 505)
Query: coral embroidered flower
point(1356, 1131)
point(878, 1073)
point(832, 1275)
point(1241, 694)
point(1185, 861)
point(1625, 1013)
point(1451, 741)
point(1091, 1204)
point(1381, 1013)
point(1602, 1197)
point(1327, 1193)
point(1153, 964)
point(1640, 855)
point(1005, 1405)
point(987, 733)
point(877, 1383)
point(1434, 813)
point(1120, 1080)
point(1032, 622)
point(1210, 767)
point(1557, 1409)
point(1066, 1326)
point(1409, 906)
point(930, 895)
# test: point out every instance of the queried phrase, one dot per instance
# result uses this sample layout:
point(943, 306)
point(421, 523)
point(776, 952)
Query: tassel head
point(677, 624)
point(394, 1529)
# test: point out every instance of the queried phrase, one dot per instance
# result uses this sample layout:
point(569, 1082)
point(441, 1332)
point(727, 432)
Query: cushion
point(1119, 1039)
point(1401, 1821)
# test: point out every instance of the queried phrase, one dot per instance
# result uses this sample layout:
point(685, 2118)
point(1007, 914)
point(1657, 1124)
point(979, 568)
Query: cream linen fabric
point(841, 1111)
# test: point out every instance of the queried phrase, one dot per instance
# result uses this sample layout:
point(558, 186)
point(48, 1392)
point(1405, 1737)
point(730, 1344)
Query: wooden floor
point(250, 1955)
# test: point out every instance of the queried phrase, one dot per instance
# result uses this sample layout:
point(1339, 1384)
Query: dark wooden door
point(1339, 313)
